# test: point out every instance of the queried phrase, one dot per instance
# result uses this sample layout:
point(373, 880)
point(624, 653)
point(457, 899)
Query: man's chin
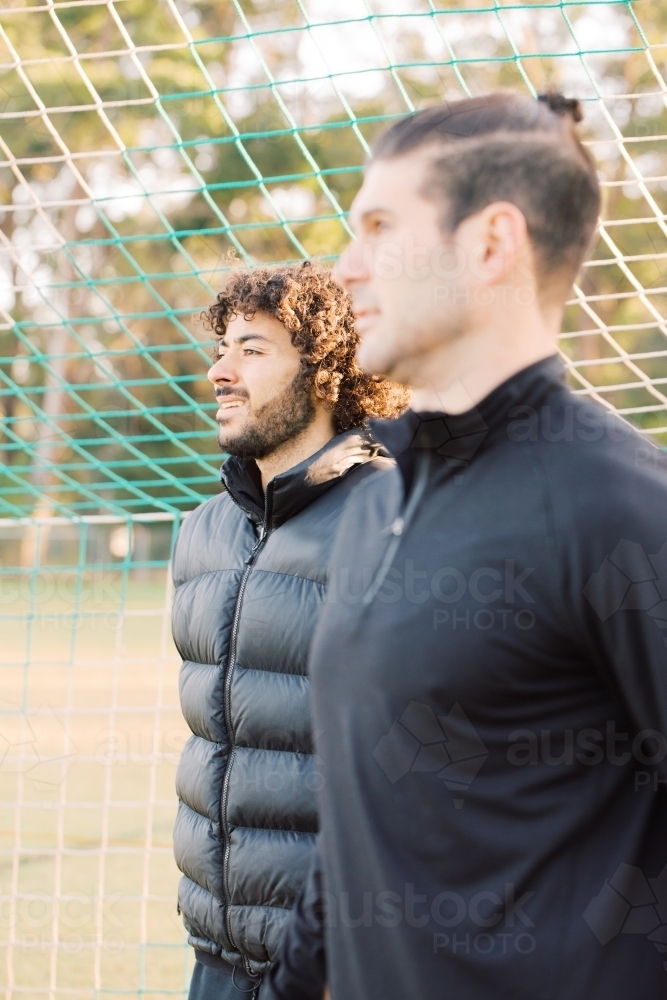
point(228, 444)
point(231, 432)
point(373, 356)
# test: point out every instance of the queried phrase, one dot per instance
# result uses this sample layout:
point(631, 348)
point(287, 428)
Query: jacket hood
point(291, 491)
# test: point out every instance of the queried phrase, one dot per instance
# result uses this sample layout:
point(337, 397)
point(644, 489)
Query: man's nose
point(354, 264)
point(222, 370)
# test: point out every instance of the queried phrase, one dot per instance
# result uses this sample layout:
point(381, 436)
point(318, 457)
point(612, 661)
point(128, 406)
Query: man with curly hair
point(250, 575)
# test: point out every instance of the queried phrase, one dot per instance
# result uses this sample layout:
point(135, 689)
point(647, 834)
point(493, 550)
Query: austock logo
point(456, 438)
point(630, 903)
point(630, 580)
point(446, 745)
point(37, 745)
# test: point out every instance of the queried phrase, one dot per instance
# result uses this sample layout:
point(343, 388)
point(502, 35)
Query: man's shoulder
point(211, 511)
point(363, 475)
point(379, 477)
point(211, 527)
point(360, 477)
point(597, 466)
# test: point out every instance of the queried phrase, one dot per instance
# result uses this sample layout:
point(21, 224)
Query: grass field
point(90, 733)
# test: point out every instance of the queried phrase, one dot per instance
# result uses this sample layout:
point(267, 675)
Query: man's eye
point(376, 226)
point(249, 350)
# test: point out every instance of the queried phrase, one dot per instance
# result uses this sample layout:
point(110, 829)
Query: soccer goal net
point(145, 144)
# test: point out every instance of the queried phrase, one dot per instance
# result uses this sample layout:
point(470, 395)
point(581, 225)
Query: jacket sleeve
point(619, 594)
point(299, 973)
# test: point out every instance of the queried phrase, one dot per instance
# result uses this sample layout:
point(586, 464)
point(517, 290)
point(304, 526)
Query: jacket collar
point(458, 437)
point(294, 489)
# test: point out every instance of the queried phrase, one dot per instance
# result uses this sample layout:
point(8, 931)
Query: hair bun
point(564, 107)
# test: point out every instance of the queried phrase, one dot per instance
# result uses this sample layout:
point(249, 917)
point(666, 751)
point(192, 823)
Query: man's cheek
point(388, 264)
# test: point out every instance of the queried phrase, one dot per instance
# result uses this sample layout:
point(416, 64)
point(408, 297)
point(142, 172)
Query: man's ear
point(499, 241)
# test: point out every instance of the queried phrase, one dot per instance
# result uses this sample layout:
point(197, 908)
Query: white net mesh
point(90, 731)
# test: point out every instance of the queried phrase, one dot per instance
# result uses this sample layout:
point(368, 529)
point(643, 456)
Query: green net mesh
point(141, 143)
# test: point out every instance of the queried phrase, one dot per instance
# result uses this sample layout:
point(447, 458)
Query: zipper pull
point(258, 542)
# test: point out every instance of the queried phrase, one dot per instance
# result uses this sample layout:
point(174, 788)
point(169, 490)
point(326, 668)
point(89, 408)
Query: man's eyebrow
point(243, 339)
point(375, 210)
point(251, 336)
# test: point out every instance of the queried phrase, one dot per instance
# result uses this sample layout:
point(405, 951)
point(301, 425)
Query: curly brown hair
point(318, 314)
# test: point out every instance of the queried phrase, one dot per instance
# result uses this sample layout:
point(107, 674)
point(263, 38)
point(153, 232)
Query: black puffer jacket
point(250, 574)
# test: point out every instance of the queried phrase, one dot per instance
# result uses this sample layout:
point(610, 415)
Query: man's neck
point(297, 449)
point(460, 373)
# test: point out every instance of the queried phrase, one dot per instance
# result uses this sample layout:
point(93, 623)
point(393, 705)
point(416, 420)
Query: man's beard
point(275, 423)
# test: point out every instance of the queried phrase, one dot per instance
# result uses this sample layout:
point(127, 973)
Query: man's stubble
point(274, 424)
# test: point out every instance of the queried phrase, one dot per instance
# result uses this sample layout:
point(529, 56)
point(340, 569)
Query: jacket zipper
point(400, 524)
point(256, 549)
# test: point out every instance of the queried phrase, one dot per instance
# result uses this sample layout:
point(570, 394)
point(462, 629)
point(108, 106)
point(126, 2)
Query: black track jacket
point(490, 702)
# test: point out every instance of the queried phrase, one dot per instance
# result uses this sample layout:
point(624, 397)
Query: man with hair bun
point(491, 712)
point(250, 576)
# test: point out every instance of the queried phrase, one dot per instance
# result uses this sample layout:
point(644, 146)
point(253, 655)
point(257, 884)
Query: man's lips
point(363, 317)
point(228, 404)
